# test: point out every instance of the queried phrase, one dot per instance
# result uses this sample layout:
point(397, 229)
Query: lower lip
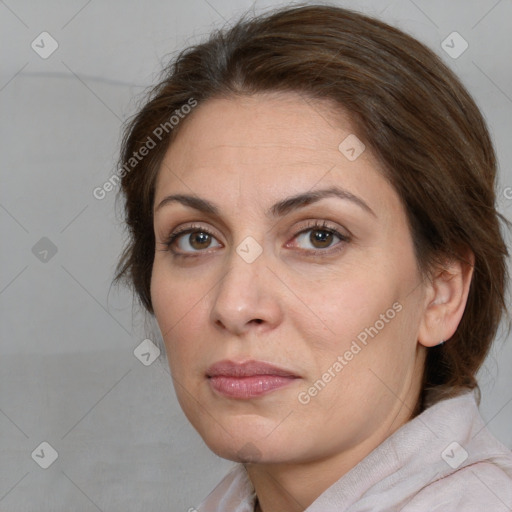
point(248, 387)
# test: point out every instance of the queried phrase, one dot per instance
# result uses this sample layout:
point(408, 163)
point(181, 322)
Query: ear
point(445, 300)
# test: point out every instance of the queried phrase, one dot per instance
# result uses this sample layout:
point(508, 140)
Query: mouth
point(247, 380)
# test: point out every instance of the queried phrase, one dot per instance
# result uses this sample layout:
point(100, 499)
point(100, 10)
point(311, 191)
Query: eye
point(197, 240)
point(319, 236)
point(193, 240)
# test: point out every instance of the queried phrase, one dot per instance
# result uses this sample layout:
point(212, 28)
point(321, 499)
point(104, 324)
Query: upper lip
point(228, 368)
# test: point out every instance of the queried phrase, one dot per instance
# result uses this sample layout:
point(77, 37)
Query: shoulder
point(473, 488)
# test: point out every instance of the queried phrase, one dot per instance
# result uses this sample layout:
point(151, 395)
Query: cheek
point(175, 294)
point(180, 312)
point(345, 305)
point(363, 322)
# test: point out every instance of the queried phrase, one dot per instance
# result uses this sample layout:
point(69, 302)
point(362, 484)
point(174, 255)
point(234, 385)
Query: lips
point(247, 369)
point(249, 379)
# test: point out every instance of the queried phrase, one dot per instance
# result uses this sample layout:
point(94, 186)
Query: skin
point(300, 304)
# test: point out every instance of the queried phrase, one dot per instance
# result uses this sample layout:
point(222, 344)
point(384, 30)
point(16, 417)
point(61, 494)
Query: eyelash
point(311, 226)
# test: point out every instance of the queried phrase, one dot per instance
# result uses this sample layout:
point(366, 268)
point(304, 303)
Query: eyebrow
point(279, 209)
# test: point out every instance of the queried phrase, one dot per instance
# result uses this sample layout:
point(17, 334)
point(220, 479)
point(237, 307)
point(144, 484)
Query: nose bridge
point(243, 294)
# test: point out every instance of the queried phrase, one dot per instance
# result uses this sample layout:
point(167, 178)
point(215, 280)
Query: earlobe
point(445, 301)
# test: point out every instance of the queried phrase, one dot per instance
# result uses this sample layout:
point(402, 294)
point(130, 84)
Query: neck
point(293, 487)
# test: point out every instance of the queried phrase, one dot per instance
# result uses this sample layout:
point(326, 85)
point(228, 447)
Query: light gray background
point(68, 374)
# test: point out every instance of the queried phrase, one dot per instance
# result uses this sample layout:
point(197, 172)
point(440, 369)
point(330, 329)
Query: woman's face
point(287, 342)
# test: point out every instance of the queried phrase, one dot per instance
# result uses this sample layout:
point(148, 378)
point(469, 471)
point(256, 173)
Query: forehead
point(263, 126)
point(268, 143)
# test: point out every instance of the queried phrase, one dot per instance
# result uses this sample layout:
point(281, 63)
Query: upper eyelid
point(308, 224)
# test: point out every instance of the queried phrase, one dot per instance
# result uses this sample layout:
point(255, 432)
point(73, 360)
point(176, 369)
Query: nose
point(247, 296)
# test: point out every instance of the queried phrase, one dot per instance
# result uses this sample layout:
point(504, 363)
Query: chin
point(245, 448)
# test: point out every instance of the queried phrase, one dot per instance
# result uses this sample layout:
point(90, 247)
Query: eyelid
point(169, 240)
point(323, 225)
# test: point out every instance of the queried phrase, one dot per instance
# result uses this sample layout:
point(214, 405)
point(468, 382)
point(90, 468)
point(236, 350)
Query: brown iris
point(320, 236)
point(200, 240)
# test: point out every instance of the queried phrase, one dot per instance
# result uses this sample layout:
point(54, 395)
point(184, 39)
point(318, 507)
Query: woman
point(312, 218)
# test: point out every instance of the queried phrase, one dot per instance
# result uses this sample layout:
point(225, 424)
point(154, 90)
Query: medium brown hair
point(407, 106)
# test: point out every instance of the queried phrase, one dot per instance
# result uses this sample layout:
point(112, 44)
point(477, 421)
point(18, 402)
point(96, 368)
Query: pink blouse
point(443, 460)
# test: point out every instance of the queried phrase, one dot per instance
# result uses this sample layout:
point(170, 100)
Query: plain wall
point(68, 373)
